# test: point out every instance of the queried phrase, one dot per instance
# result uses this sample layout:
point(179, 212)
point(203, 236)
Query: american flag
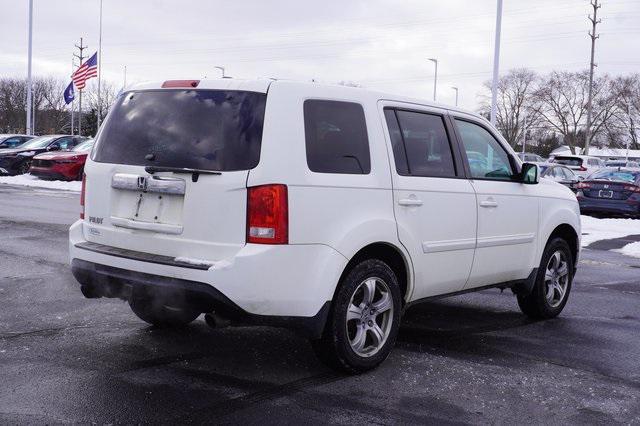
point(85, 72)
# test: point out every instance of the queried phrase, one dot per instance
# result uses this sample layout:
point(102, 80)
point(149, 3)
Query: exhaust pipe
point(214, 320)
point(90, 292)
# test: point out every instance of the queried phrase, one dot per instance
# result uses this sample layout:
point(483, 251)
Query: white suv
point(328, 210)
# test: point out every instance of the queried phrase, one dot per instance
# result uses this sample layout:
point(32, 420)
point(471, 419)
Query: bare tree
point(515, 113)
point(561, 101)
point(625, 123)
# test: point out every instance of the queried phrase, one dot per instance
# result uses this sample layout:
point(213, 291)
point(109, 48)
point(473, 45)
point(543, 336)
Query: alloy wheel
point(369, 317)
point(556, 278)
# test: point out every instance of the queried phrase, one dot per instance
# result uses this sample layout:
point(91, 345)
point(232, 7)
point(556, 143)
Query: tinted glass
point(399, 154)
point(426, 144)
point(65, 143)
point(336, 137)
point(199, 129)
point(486, 157)
point(568, 161)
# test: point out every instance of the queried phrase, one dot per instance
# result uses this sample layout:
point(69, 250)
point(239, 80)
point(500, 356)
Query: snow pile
point(33, 181)
point(192, 261)
point(632, 249)
point(604, 229)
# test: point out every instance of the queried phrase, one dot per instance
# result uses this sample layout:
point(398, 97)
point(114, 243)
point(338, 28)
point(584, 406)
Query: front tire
point(365, 316)
point(553, 282)
point(157, 313)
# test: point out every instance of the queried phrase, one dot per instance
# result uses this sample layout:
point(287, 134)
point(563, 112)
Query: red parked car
point(62, 165)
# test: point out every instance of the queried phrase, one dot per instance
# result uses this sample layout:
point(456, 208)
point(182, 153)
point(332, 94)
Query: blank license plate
point(605, 194)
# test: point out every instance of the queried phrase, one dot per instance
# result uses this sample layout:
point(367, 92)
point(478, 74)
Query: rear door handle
point(410, 202)
point(488, 204)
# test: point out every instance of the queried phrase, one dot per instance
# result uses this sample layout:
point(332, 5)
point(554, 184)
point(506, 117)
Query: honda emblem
point(142, 183)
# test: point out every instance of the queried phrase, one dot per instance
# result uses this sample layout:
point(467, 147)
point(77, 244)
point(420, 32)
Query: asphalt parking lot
point(467, 359)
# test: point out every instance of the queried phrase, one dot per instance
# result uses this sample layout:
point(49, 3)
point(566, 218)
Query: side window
point(399, 153)
point(336, 137)
point(426, 147)
point(64, 143)
point(487, 159)
point(12, 142)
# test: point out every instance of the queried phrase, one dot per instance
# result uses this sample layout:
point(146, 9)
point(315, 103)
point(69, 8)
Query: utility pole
point(592, 34)
point(524, 133)
point(125, 78)
point(99, 69)
point(435, 78)
point(456, 89)
point(80, 57)
point(496, 64)
point(29, 126)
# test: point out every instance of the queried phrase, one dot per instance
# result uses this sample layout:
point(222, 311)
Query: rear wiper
point(195, 173)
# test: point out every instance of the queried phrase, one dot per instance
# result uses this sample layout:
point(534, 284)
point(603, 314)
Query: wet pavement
point(466, 359)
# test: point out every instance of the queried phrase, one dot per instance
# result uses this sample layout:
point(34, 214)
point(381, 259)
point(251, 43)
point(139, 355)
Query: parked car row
point(48, 157)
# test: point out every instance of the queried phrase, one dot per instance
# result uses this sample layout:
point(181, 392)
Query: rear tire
point(162, 315)
point(24, 168)
point(364, 319)
point(553, 282)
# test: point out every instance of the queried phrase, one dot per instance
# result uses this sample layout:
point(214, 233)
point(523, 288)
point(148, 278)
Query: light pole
point(221, 69)
point(456, 89)
point(496, 64)
point(29, 127)
point(435, 78)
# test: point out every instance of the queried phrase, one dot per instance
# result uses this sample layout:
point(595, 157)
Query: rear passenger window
point(336, 137)
point(420, 144)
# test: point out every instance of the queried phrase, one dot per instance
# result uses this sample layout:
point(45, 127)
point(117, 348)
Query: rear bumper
point(106, 281)
point(622, 207)
point(64, 173)
point(257, 284)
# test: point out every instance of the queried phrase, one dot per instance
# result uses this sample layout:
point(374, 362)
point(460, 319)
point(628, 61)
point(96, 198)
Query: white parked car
point(328, 210)
point(582, 165)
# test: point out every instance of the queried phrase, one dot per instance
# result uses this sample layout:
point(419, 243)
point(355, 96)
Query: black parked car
point(13, 141)
point(611, 191)
point(17, 161)
point(560, 174)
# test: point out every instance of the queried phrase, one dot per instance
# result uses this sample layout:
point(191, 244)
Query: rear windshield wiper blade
point(195, 173)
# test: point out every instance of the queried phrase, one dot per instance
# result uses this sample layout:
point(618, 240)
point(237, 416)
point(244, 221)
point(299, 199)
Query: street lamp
point(456, 89)
point(435, 78)
point(221, 69)
point(496, 64)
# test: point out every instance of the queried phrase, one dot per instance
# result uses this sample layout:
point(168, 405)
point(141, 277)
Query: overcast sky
point(380, 44)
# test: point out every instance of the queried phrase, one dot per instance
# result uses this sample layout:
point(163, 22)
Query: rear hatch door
point(169, 170)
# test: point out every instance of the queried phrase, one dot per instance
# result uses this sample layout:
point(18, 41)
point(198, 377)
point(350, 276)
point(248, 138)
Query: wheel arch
point(393, 256)
point(569, 234)
point(560, 219)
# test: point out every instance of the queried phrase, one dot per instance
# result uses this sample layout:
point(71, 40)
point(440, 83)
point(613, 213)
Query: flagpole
point(99, 67)
point(71, 106)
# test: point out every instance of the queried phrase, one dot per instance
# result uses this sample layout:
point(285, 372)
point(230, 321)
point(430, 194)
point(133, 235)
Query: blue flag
point(69, 94)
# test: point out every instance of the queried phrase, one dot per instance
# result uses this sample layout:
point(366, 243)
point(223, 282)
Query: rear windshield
point(616, 175)
point(198, 129)
point(568, 161)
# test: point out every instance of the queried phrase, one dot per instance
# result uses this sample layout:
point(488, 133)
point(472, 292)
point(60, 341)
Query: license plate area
point(147, 200)
point(605, 194)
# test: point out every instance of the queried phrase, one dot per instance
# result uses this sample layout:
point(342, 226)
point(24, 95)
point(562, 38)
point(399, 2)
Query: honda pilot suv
point(326, 210)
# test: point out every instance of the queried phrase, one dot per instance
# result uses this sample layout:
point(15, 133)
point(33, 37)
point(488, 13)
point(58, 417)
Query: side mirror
point(53, 148)
point(529, 174)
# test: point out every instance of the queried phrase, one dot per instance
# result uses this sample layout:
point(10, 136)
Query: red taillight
point(84, 186)
point(268, 214)
point(180, 83)
point(632, 188)
point(583, 185)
